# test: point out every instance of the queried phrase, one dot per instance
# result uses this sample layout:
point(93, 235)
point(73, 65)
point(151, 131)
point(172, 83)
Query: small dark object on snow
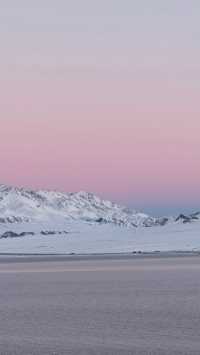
point(9, 234)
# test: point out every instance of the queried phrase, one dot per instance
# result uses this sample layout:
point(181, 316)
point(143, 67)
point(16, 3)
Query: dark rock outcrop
point(10, 234)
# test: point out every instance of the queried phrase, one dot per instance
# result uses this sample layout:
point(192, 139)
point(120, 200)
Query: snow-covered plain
point(49, 222)
point(85, 238)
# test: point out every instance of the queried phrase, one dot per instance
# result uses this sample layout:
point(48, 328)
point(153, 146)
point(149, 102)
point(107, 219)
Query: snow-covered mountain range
point(24, 205)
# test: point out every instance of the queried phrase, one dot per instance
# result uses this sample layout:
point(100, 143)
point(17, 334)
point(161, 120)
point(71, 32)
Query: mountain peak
point(18, 204)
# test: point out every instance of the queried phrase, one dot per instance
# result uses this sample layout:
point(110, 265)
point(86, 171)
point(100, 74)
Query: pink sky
point(99, 108)
point(119, 152)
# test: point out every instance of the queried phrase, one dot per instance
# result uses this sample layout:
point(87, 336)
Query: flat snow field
point(138, 306)
point(83, 238)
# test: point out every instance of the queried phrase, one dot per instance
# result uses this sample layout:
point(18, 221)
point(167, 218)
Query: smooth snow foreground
point(80, 238)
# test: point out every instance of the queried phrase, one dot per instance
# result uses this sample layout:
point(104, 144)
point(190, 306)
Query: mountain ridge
point(18, 204)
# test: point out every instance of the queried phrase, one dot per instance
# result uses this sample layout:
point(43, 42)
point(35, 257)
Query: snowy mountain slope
point(188, 218)
point(19, 205)
point(22, 205)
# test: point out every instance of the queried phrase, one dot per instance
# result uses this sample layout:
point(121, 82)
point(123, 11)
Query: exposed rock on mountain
point(21, 205)
point(18, 205)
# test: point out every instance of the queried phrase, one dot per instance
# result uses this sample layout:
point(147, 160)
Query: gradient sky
point(102, 96)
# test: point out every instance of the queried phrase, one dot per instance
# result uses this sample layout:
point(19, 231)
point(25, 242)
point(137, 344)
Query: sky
point(102, 96)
